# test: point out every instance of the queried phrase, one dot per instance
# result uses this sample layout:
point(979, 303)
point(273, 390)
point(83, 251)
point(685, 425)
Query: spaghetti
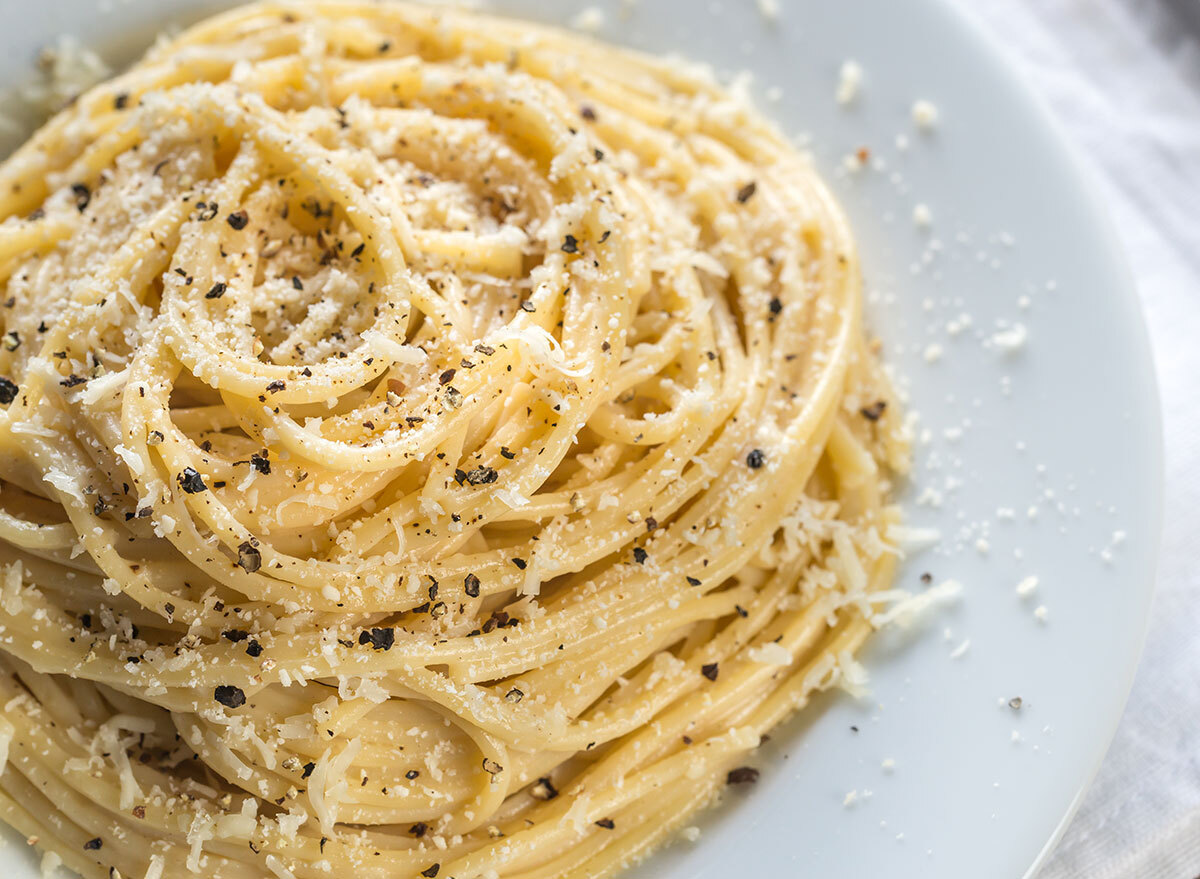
point(433, 445)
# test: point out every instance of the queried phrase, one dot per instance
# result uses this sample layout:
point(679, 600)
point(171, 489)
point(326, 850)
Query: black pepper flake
point(775, 305)
point(324, 839)
point(570, 244)
point(460, 476)
point(742, 775)
point(419, 829)
point(873, 412)
point(431, 871)
point(275, 387)
point(710, 671)
point(485, 350)
point(1015, 703)
point(308, 769)
point(471, 585)
point(756, 459)
point(505, 453)
point(747, 192)
point(528, 306)
point(446, 377)
point(604, 237)
point(121, 101)
point(191, 481)
point(651, 523)
point(639, 555)
point(260, 463)
point(491, 767)
point(692, 581)
point(482, 476)
point(543, 790)
point(411, 774)
point(217, 291)
point(73, 381)
point(587, 113)
point(83, 196)
point(927, 578)
point(8, 390)
point(249, 558)
point(379, 639)
point(254, 649)
point(606, 823)
point(207, 211)
point(357, 252)
point(514, 695)
point(235, 635)
point(741, 611)
point(498, 619)
point(93, 845)
point(238, 220)
point(229, 695)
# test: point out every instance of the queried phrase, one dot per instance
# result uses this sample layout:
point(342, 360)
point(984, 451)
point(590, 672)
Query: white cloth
point(1122, 77)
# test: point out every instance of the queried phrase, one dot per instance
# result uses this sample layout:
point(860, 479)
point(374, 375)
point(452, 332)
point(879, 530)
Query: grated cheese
point(1027, 586)
point(849, 81)
point(905, 611)
point(770, 653)
point(925, 115)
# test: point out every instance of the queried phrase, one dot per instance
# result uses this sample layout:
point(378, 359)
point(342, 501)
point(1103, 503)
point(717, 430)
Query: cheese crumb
point(50, 864)
point(922, 216)
point(1040, 613)
point(770, 653)
point(691, 833)
point(849, 81)
point(589, 20)
point(925, 115)
point(1012, 339)
point(769, 9)
point(1027, 586)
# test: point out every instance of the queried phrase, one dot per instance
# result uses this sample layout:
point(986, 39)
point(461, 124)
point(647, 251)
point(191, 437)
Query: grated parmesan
point(850, 79)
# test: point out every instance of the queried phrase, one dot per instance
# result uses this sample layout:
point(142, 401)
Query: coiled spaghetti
point(433, 445)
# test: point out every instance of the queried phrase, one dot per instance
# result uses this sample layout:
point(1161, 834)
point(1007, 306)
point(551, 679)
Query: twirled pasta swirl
point(434, 445)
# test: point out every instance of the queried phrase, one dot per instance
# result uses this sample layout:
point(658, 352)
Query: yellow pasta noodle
point(432, 445)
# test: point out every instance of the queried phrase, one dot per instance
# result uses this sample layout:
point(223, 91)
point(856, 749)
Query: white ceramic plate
point(1046, 460)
